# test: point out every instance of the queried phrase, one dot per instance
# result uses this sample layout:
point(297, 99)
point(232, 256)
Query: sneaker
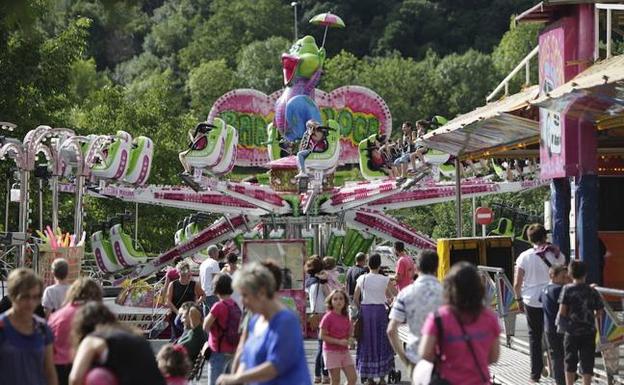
point(326, 380)
point(317, 380)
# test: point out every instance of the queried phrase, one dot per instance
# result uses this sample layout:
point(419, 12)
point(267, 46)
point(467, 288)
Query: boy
point(578, 303)
point(550, 302)
point(317, 142)
point(54, 295)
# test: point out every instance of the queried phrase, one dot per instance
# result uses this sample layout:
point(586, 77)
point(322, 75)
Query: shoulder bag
point(436, 377)
point(358, 324)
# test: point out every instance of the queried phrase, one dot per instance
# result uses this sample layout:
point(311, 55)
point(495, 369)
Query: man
point(354, 272)
point(531, 278)
point(405, 266)
point(412, 306)
point(208, 268)
point(54, 295)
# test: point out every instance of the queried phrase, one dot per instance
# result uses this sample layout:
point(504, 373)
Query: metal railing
point(526, 64)
point(608, 8)
point(610, 333)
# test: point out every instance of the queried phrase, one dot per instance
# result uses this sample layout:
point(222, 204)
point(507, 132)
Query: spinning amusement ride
point(249, 129)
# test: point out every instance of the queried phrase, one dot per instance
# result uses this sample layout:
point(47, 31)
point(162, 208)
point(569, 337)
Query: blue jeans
point(208, 302)
point(301, 157)
point(319, 363)
point(218, 362)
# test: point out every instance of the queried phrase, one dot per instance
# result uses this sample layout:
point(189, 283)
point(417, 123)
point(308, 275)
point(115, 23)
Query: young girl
point(174, 364)
point(335, 332)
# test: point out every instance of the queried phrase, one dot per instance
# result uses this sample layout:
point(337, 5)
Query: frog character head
point(303, 60)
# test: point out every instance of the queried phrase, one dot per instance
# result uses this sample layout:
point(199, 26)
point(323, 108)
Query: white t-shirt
point(54, 296)
point(373, 287)
point(207, 270)
point(535, 274)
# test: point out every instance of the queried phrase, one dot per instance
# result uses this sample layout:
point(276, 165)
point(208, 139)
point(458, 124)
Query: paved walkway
point(511, 369)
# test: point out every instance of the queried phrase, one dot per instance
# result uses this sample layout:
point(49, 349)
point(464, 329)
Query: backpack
point(230, 332)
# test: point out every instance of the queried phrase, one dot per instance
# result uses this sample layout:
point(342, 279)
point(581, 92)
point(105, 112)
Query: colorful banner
point(359, 111)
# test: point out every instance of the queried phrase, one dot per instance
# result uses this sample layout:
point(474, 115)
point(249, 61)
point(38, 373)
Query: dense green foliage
point(154, 67)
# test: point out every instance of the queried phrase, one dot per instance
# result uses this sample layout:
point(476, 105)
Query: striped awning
point(487, 127)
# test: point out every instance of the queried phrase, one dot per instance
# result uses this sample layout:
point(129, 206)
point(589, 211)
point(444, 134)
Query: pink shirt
point(220, 311)
point(337, 326)
point(406, 268)
point(176, 380)
point(60, 323)
point(458, 366)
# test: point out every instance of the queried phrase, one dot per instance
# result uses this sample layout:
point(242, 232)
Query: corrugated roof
point(487, 127)
point(595, 93)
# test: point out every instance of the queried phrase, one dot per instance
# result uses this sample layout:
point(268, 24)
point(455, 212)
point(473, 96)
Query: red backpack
point(230, 333)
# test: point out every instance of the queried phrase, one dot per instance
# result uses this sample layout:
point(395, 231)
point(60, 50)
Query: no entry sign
point(484, 215)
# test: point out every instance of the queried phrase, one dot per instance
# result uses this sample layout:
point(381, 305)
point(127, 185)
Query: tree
point(341, 70)
point(207, 83)
point(259, 64)
point(516, 43)
point(234, 24)
point(455, 82)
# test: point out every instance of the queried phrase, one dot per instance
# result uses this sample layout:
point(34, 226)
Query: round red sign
point(484, 215)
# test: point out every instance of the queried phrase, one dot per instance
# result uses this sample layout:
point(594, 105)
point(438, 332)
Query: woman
point(470, 331)
point(317, 289)
point(81, 291)
point(223, 315)
point(273, 351)
point(26, 356)
point(193, 338)
point(183, 289)
point(102, 341)
point(374, 357)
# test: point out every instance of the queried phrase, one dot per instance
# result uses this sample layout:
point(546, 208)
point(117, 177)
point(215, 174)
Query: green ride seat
point(329, 158)
point(226, 163)
point(365, 170)
point(207, 148)
point(505, 227)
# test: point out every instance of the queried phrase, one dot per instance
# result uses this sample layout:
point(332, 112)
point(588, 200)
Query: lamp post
point(294, 4)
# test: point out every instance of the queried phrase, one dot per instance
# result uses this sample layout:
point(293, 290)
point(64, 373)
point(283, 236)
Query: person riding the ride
point(315, 140)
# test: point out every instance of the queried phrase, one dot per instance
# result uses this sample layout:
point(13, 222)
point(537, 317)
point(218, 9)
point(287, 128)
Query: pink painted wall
point(567, 145)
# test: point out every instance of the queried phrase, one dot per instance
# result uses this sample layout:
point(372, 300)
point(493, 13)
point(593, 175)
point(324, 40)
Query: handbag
point(473, 354)
point(358, 325)
point(314, 319)
point(436, 377)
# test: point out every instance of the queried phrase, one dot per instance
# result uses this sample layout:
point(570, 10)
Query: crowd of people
point(233, 319)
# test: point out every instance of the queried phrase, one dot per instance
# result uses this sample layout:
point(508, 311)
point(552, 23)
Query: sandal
point(317, 380)
point(326, 380)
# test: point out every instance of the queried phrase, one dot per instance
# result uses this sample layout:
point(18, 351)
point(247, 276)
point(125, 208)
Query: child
point(550, 303)
point(174, 364)
point(335, 332)
point(579, 305)
point(317, 142)
point(54, 296)
point(329, 265)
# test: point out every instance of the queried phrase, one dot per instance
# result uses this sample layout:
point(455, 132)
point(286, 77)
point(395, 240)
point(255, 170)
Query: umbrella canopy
point(327, 19)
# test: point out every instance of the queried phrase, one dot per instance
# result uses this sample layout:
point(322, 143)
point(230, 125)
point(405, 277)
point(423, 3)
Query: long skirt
point(374, 356)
